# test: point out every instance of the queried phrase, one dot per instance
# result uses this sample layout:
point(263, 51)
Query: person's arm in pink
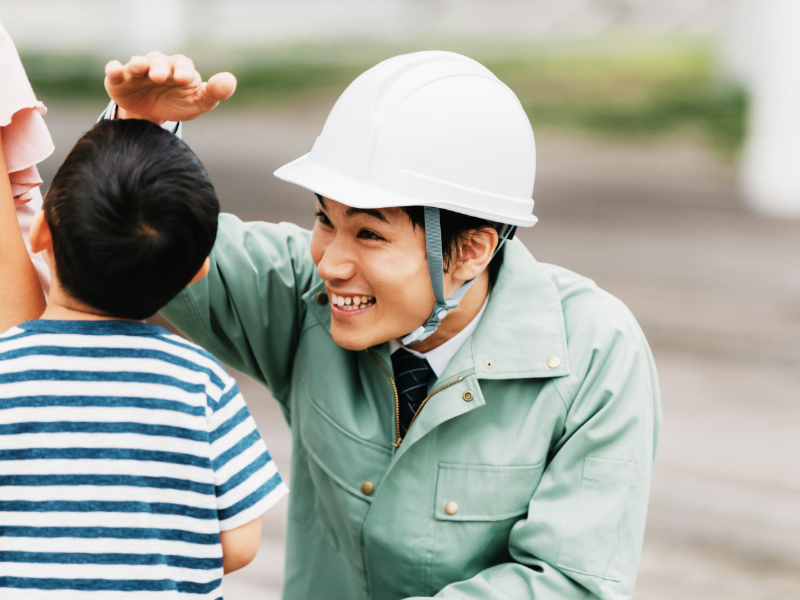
point(21, 296)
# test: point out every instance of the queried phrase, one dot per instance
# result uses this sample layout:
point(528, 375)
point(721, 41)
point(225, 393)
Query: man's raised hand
point(164, 88)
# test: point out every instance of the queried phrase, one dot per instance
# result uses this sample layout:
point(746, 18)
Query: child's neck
point(62, 307)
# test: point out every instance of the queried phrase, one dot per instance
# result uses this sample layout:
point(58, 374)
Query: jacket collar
point(523, 326)
point(520, 331)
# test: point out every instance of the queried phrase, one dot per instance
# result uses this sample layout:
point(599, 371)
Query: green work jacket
point(525, 475)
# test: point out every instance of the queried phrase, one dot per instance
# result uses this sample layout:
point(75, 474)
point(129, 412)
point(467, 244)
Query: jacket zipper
point(397, 400)
point(428, 397)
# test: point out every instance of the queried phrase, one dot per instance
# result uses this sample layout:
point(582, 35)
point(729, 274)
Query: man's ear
point(476, 254)
point(40, 236)
point(202, 272)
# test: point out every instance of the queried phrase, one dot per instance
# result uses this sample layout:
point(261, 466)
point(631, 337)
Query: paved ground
point(716, 289)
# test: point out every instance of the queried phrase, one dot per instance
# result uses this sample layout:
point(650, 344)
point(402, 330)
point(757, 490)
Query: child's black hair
point(133, 216)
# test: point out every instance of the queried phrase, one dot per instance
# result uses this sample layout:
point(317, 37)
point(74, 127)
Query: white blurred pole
point(771, 167)
point(737, 48)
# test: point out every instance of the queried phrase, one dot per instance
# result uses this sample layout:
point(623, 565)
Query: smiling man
point(467, 422)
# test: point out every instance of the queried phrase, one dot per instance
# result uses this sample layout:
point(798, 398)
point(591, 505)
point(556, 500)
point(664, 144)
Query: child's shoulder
point(11, 334)
point(118, 340)
point(12, 339)
point(202, 358)
point(180, 342)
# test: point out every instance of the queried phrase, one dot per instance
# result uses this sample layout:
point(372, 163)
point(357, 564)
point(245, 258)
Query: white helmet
point(431, 129)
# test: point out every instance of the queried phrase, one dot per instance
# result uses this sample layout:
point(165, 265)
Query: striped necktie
point(411, 375)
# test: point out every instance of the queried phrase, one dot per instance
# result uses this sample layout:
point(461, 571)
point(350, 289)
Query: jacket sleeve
point(248, 311)
point(582, 537)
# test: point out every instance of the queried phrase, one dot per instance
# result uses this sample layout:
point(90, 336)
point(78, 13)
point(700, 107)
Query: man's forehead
point(352, 211)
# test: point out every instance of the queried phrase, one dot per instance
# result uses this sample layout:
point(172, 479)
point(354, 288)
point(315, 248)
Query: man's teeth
point(352, 302)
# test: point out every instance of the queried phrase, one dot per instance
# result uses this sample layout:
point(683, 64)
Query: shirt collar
point(94, 327)
point(440, 357)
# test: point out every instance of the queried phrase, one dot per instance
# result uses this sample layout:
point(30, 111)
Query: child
point(129, 464)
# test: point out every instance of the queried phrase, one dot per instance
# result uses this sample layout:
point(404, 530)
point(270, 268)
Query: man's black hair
point(456, 230)
point(133, 216)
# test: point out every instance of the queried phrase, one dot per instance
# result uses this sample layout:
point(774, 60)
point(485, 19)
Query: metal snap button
point(468, 396)
point(553, 362)
point(322, 298)
point(451, 508)
point(367, 488)
point(489, 364)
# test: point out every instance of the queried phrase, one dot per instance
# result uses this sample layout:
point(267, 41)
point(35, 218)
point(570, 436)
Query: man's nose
point(337, 262)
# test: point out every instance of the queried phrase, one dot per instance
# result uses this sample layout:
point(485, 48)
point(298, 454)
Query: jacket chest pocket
point(476, 507)
point(339, 473)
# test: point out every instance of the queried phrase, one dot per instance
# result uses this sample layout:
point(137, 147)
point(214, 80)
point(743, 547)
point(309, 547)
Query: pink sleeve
point(26, 142)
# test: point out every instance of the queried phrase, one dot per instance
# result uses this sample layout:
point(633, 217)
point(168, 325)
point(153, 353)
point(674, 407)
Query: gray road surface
point(716, 289)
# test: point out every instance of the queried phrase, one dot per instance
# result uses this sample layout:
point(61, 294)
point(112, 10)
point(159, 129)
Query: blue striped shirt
point(124, 451)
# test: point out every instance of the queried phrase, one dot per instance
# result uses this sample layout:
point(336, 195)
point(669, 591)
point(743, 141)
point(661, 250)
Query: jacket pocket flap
point(485, 492)
point(347, 459)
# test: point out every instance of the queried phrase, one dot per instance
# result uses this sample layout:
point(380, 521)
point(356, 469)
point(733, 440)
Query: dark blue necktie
point(411, 376)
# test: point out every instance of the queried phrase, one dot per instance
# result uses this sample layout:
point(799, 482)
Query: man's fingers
point(160, 69)
point(165, 87)
point(115, 72)
point(183, 71)
point(221, 86)
point(137, 66)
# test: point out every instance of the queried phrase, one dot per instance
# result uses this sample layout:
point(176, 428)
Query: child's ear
point(40, 236)
point(202, 272)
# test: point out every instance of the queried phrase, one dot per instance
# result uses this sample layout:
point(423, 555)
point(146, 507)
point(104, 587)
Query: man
point(467, 422)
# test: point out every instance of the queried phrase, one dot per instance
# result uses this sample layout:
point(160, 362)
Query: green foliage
point(57, 77)
point(287, 82)
point(635, 96)
point(622, 90)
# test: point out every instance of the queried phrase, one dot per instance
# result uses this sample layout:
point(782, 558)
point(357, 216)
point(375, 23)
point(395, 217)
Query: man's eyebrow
point(351, 212)
point(371, 212)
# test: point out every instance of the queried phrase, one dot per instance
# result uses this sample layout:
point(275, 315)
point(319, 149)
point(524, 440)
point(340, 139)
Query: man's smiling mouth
point(349, 303)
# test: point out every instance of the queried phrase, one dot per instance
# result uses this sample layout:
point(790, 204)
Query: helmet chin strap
point(433, 244)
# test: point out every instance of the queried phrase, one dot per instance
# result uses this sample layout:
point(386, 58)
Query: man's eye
point(366, 234)
point(323, 218)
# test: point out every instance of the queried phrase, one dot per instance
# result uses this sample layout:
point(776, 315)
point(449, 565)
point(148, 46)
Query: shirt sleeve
point(246, 480)
point(249, 310)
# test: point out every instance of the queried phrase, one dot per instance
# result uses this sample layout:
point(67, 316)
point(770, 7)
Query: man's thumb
point(221, 86)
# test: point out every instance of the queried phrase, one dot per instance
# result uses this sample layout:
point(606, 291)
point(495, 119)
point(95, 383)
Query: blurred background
point(668, 142)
